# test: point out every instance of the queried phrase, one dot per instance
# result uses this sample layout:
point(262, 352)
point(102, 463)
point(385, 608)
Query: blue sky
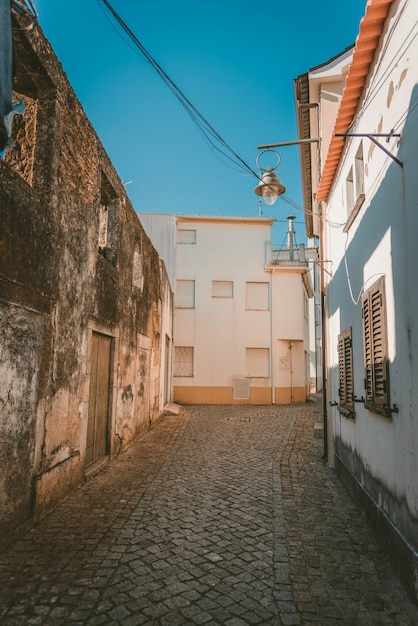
point(235, 60)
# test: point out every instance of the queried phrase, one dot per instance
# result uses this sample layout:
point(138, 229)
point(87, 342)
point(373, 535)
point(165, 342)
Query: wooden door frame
point(111, 331)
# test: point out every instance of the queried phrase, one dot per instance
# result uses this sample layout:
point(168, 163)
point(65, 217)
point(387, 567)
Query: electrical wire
point(215, 141)
point(347, 273)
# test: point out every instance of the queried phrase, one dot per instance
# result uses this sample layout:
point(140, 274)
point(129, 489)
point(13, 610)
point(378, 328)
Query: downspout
point(324, 337)
point(272, 370)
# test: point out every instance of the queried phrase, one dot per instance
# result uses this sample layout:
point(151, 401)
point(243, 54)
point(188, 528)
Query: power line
point(207, 131)
point(216, 143)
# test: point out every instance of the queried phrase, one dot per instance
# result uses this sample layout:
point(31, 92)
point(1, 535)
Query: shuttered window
point(185, 294)
point(257, 362)
point(222, 289)
point(345, 370)
point(257, 296)
point(376, 381)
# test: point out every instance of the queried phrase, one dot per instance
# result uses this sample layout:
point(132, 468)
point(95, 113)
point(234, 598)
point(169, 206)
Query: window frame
point(354, 187)
point(230, 291)
point(180, 296)
point(248, 361)
point(248, 300)
point(181, 239)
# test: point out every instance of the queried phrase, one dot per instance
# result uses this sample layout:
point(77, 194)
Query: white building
point(365, 210)
point(241, 321)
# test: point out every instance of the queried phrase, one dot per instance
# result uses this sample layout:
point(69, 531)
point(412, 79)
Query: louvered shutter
point(345, 369)
point(375, 348)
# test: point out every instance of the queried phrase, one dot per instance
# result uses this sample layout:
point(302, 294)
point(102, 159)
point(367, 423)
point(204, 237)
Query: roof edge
point(370, 32)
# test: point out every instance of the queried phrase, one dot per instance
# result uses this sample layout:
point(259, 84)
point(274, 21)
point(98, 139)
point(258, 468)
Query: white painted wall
point(382, 241)
point(221, 328)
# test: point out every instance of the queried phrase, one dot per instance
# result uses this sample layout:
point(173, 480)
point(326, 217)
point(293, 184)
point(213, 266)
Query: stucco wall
point(380, 452)
point(59, 285)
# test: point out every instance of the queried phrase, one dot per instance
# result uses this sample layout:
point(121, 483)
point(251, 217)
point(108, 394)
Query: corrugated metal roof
point(371, 28)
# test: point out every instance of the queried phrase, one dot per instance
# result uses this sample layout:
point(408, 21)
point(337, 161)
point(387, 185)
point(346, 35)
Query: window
point(376, 381)
point(355, 188)
point(183, 361)
point(222, 289)
point(349, 191)
point(186, 236)
point(107, 240)
point(257, 362)
point(257, 297)
point(185, 294)
point(345, 373)
point(138, 277)
point(103, 221)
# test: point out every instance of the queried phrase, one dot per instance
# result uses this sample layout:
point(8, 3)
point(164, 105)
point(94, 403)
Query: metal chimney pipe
point(291, 242)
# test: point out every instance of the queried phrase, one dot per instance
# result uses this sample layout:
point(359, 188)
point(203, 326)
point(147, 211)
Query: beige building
point(241, 320)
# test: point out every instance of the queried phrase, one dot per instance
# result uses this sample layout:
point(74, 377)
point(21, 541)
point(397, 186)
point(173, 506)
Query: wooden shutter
point(345, 369)
point(375, 348)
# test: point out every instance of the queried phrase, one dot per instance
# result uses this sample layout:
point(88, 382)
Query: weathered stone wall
point(68, 243)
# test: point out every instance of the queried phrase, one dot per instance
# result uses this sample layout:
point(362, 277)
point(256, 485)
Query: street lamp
point(269, 188)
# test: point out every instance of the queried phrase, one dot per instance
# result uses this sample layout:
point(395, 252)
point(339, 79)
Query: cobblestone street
point(219, 515)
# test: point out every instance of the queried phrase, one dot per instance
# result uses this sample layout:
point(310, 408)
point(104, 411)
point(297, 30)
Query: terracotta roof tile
point(371, 28)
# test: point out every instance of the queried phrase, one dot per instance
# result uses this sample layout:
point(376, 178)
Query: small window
point(185, 290)
point(376, 363)
point(107, 240)
point(103, 222)
point(138, 277)
point(222, 289)
point(345, 372)
point(183, 361)
point(257, 362)
point(257, 296)
point(349, 191)
point(186, 236)
point(355, 188)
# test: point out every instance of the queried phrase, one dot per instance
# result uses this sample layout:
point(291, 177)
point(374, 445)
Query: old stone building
point(85, 303)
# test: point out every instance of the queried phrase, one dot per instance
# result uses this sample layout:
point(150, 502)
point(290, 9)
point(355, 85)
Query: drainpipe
point(324, 337)
point(272, 343)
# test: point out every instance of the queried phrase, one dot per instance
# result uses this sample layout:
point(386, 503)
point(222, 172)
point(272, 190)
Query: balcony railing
point(289, 257)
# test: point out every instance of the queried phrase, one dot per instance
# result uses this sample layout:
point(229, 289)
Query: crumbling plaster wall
point(57, 286)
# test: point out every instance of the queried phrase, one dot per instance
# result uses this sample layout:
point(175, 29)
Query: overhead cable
point(206, 130)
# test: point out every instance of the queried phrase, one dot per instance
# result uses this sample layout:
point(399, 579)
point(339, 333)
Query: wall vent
point(241, 388)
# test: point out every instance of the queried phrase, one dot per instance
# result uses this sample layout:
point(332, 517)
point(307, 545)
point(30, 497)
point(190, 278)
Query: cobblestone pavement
point(219, 515)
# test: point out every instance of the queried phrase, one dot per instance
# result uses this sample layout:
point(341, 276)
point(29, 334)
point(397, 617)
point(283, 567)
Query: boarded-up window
point(222, 289)
point(376, 364)
point(257, 362)
point(186, 236)
point(257, 296)
point(345, 370)
point(185, 294)
point(183, 361)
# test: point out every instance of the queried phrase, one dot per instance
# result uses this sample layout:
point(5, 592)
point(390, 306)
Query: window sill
point(354, 212)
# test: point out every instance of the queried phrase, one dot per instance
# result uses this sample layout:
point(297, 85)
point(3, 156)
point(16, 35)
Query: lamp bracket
point(263, 169)
point(267, 146)
point(372, 137)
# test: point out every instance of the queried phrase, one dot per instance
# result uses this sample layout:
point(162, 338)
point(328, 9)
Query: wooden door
point(98, 419)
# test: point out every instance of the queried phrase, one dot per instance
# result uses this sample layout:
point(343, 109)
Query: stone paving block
point(222, 515)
